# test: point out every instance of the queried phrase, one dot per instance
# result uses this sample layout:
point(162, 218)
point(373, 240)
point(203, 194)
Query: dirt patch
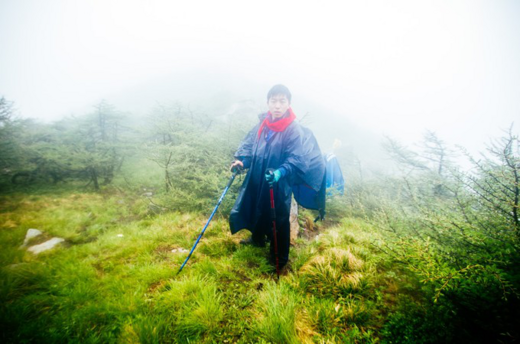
point(100, 271)
point(165, 249)
point(156, 286)
point(309, 230)
point(252, 265)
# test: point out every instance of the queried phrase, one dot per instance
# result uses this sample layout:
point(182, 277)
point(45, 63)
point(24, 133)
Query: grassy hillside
point(115, 278)
point(417, 257)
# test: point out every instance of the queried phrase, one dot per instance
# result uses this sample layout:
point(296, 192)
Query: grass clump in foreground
point(103, 287)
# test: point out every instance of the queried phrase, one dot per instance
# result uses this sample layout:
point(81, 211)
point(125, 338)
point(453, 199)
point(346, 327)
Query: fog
point(385, 67)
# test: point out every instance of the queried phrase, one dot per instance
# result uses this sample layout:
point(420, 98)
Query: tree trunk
point(94, 178)
point(167, 180)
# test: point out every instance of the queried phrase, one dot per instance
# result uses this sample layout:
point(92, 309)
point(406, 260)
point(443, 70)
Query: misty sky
point(396, 67)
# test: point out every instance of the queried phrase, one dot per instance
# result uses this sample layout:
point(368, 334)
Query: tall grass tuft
point(334, 272)
point(193, 307)
point(276, 319)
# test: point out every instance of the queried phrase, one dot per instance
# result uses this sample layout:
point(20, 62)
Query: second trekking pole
point(273, 218)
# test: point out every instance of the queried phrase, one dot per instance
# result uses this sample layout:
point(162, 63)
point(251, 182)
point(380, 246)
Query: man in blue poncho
point(279, 143)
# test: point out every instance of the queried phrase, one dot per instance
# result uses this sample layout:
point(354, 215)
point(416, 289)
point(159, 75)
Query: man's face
point(278, 105)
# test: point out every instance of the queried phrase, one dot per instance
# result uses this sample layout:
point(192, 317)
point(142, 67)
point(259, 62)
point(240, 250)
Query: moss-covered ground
point(115, 278)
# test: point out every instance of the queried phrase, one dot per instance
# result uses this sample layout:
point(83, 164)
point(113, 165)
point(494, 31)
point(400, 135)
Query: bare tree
point(435, 151)
point(6, 110)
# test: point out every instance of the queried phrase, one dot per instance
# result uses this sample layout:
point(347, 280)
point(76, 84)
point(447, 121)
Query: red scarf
point(279, 125)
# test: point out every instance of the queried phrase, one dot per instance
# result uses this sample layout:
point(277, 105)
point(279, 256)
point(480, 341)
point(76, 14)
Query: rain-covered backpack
point(310, 188)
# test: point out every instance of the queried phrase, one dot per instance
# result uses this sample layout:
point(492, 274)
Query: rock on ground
point(49, 244)
point(31, 233)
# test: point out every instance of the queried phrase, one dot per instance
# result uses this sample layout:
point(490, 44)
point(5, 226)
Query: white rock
point(49, 244)
point(31, 233)
point(179, 250)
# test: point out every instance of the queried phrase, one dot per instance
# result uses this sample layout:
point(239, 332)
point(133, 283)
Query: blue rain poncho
point(294, 150)
point(335, 181)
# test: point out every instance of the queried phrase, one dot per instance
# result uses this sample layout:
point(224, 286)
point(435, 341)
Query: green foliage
point(11, 150)
point(462, 243)
point(88, 148)
point(93, 144)
point(413, 322)
point(188, 153)
point(194, 152)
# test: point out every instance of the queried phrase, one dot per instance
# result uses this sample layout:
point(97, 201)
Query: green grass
point(103, 288)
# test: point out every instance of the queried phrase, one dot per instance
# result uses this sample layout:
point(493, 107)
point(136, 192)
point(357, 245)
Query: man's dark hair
point(279, 89)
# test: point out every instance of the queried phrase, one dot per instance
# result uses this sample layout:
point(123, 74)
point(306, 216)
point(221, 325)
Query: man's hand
point(237, 166)
point(272, 176)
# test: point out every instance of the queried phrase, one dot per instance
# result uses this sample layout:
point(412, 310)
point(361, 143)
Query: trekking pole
point(235, 172)
point(273, 218)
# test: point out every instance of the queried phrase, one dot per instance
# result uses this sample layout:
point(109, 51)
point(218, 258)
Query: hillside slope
point(115, 280)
